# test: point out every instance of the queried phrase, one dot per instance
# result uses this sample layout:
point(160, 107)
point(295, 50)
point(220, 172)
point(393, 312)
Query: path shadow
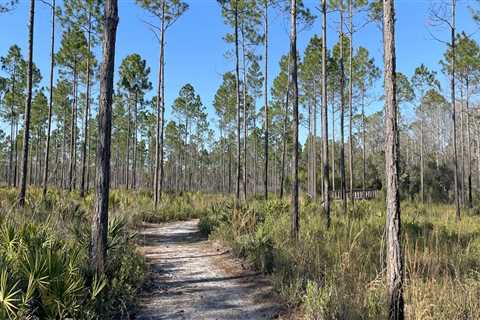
point(171, 238)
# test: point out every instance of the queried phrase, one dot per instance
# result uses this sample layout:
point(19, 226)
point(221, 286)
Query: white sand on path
point(192, 278)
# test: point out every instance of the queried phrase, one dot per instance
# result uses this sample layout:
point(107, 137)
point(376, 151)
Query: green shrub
point(44, 262)
point(319, 301)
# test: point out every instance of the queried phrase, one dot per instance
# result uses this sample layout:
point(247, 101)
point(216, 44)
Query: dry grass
point(338, 273)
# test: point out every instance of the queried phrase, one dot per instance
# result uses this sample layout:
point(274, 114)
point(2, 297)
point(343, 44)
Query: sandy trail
point(192, 278)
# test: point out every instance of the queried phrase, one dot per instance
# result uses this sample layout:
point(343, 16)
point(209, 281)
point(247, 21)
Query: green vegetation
point(44, 260)
point(339, 272)
point(329, 273)
point(174, 208)
point(45, 270)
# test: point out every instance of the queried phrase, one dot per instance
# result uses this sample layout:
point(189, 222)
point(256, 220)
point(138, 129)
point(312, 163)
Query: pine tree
point(28, 107)
point(100, 216)
point(167, 11)
point(393, 223)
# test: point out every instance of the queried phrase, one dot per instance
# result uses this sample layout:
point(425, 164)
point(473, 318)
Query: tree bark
point(469, 148)
point(229, 169)
point(342, 115)
point(28, 106)
point(293, 55)
point(237, 78)
point(12, 133)
point(255, 147)
point(478, 153)
point(309, 145)
point(89, 160)
point(50, 101)
point(245, 105)
point(422, 169)
point(162, 122)
point(265, 96)
point(127, 173)
point(285, 134)
point(87, 108)
point(393, 221)
point(462, 152)
point(314, 144)
point(72, 129)
point(364, 138)
point(15, 168)
point(135, 138)
point(159, 140)
point(100, 217)
point(350, 102)
point(452, 88)
point(222, 156)
point(333, 143)
point(325, 168)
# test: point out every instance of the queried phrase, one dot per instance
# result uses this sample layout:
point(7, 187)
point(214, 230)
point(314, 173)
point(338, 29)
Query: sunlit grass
point(334, 273)
point(338, 273)
point(44, 259)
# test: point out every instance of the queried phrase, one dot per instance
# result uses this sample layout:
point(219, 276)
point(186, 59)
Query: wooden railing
point(358, 194)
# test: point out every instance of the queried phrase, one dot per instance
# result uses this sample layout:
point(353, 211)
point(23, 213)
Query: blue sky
point(195, 47)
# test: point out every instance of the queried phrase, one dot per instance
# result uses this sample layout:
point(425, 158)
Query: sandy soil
point(192, 278)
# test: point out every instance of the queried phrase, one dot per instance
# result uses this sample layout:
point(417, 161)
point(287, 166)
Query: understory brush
point(44, 260)
point(339, 272)
point(184, 206)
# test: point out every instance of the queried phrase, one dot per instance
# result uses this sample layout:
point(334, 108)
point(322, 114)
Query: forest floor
point(194, 278)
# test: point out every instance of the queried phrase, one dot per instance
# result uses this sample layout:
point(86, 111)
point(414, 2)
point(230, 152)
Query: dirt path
point(192, 278)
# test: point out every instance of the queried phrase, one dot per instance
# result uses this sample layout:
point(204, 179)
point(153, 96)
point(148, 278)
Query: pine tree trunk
point(222, 156)
point(364, 138)
point(57, 164)
point(15, 169)
point(265, 97)
point(422, 169)
point(157, 140)
point(342, 115)
point(293, 55)
point(127, 160)
point(50, 102)
point(237, 78)
point(478, 153)
point(325, 168)
point(285, 133)
point(469, 149)
point(452, 86)
point(462, 152)
point(64, 150)
point(245, 106)
point(30, 165)
point(87, 108)
point(255, 147)
point(309, 153)
point(28, 107)
point(100, 216)
point(350, 102)
point(159, 144)
point(12, 132)
point(333, 143)
point(72, 130)
point(229, 170)
point(135, 138)
point(162, 122)
point(393, 221)
point(314, 144)
point(89, 161)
